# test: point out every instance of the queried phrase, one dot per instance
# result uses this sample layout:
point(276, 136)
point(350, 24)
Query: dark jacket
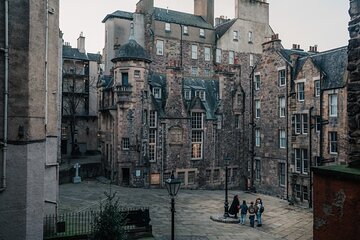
point(234, 208)
point(244, 208)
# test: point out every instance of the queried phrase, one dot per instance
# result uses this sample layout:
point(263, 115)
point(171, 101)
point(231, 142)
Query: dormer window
point(157, 92)
point(167, 27)
point(187, 94)
point(202, 32)
point(200, 94)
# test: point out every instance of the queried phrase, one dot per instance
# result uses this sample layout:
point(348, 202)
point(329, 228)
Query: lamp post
point(172, 185)
point(226, 204)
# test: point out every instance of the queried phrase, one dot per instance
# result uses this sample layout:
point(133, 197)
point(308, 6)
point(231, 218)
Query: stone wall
point(354, 81)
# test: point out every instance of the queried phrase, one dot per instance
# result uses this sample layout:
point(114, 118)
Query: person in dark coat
point(235, 205)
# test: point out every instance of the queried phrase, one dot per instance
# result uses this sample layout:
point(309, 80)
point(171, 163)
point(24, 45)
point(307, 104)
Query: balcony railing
point(123, 92)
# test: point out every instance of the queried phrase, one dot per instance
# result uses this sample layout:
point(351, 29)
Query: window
point(235, 35)
point(194, 51)
point(305, 193)
point(186, 30)
point(231, 57)
point(318, 123)
point(250, 37)
point(208, 175)
point(257, 108)
point(251, 60)
point(125, 143)
point(153, 119)
point(187, 94)
point(237, 121)
point(218, 55)
point(207, 54)
point(282, 77)
point(239, 100)
point(196, 135)
point(191, 177)
point(300, 91)
point(282, 106)
point(194, 71)
point(216, 176)
point(207, 72)
point(333, 105)
point(305, 123)
point(157, 92)
point(257, 81)
point(124, 79)
point(282, 174)
point(282, 138)
point(137, 73)
point(152, 144)
point(297, 189)
point(167, 27)
point(200, 94)
point(202, 32)
point(333, 142)
point(301, 160)
point(181, 177)
point(257, 137)
point(300, 123)
point(159, 47)
point(258, 169)
point(317, 88)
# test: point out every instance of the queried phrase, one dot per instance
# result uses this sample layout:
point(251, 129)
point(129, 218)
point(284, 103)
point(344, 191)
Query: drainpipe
point(6, 95)
point(287, 129)
point(46, 62)
point(310, 158)
point(321, 121)
point(252, 126)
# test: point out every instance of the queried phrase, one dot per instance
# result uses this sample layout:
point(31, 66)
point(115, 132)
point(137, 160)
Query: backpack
point(262, 209)
point(251, 209)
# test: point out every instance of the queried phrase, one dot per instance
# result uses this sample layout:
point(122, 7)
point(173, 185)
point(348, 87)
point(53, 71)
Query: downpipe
point(6, 96)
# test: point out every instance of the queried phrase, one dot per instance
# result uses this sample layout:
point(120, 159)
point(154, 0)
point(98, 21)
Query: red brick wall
point(336, 208)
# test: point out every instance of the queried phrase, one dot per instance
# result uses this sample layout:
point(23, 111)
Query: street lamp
point(226, 204)
point(172, 185)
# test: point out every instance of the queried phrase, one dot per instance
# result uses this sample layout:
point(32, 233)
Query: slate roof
point(286, 53)
point(334, 64)
point(224, 27)
point(73, 53)
point(119, 14)
point(211, 88)
point(131, 51)
point(106, 81)
point(187, 19)
point(94, 57)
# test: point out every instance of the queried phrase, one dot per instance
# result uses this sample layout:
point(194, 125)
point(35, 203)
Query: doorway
point(126, 176)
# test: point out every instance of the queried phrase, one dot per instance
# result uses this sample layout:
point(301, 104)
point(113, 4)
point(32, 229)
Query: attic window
point(200, 94)
point(187, 94)
point(157, 92)
point(202, 32)
point(167, 27)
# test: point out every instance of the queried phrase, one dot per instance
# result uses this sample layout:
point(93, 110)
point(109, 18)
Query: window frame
point(207, 54)
point(187, 94)
point(282, 106)
point(282, 138)
point(317, 88)
point(257, 137)
point(194, 51)
point(185, 30)
point(235, 35)
point(333, 142)
point(167, 27)
point(218, 55)
point(125, 143)
point(333, 106)
point(156, 91)
point(280, 77)
point(231, 57)
point(160, 47)
point(300, 94)
point(202, 33)
point(250, 37)
point(282, 174)
point(257, 81)
point(197, 127)
point(257, 108)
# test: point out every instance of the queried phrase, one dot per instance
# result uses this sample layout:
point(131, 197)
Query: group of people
point(253, 209)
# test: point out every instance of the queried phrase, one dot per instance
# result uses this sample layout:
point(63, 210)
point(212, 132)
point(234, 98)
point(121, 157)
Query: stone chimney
point(296, 47)
point(274, 44)
point(81, 43)
point(145, 6)
point(252, 10)
point(221, 20)
point(205, 9)
point(313, 49)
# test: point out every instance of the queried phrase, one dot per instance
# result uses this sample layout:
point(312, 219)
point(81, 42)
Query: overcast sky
point(304, 22)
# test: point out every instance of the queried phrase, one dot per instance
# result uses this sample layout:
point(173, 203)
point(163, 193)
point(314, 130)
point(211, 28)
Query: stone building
point(299, 117)
point(187, 50)
point(30, 52)
point(80, 75)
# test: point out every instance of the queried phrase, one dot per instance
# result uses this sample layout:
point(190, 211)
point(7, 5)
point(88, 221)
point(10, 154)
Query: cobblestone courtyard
point(193, 211)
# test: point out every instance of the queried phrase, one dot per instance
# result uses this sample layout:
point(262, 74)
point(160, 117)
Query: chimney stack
point(296, 47)
point(313, 49)
point(81, 43)
point(205, 9)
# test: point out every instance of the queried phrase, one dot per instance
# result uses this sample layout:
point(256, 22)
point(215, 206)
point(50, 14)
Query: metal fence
point(68, 224)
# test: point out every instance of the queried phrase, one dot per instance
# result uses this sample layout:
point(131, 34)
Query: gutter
point(310, 157)
point(6, 96)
